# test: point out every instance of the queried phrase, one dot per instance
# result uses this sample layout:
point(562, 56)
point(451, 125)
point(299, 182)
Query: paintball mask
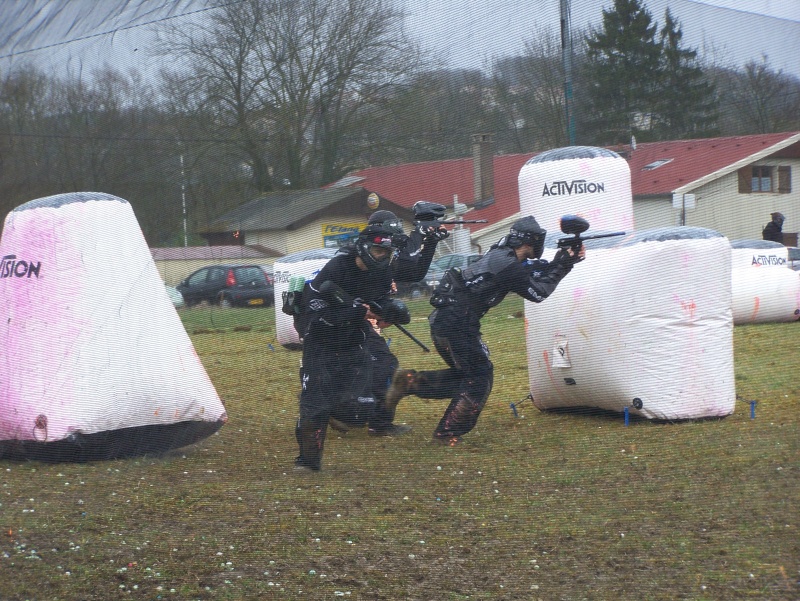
point(382, 235)
point(526, 231)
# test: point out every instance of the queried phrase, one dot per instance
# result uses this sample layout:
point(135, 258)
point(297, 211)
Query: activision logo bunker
point(21, 269)
point(768, 260)
point(576, 186)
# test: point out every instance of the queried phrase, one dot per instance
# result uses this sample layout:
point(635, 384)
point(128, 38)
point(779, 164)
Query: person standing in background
point(774, 229)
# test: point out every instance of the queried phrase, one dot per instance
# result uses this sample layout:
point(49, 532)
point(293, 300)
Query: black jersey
point(772, 231)
point(344, 325)
point(487, 281)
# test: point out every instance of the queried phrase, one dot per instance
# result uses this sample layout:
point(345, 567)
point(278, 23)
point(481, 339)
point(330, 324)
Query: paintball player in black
point(461, 299)
point(774, 229)
point(342, 352)
point(408, 261)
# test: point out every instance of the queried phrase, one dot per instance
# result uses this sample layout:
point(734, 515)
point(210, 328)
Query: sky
point(468, 32)
point(472, 31)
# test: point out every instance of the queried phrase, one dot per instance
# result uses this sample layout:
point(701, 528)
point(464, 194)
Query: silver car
point(445, 262)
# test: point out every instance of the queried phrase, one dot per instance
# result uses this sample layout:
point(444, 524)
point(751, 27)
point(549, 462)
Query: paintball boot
point(390, 430)
point(402, 384)
point(446, 441)
point(337, 425)
point(301, 466)
point(311, 440)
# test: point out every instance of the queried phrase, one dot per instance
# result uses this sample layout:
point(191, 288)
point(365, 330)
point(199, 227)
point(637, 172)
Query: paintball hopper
point(572, 224)
point(428, 211)
point(575, 226)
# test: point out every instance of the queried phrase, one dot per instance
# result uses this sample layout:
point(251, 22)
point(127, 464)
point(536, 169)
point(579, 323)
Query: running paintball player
point(460, 300)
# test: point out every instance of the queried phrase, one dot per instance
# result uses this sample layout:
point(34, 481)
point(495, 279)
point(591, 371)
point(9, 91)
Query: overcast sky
point(468, 32)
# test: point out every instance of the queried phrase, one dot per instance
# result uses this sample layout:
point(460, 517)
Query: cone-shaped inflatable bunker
point(95, 361)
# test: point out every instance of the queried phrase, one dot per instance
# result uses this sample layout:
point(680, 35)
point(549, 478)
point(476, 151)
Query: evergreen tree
point(686, 105)
point(620, 76)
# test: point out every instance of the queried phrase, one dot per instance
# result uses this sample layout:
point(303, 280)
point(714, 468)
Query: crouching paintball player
point(347, 366)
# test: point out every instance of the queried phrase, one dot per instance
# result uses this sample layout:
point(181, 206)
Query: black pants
point(334, 381)
point(469, 377)
point(384, 364)
point(355, 412)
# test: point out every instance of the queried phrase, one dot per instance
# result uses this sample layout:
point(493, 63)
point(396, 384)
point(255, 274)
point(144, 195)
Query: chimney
point(483, 168)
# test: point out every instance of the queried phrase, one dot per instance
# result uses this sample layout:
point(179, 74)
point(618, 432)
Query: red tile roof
point(691, 161)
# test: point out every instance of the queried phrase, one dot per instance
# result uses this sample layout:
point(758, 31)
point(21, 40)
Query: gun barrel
point(413, 338)
point(594, 236)
point(449, 221)
point(575, 240)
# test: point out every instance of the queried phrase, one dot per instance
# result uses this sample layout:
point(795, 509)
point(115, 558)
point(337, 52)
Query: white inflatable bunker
point(592, 182)
point(764, 289)
point(758, 253)
point(97, 362)
point(305, 264)
point(644, 322)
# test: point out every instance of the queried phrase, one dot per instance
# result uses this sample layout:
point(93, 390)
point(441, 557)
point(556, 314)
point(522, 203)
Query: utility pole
point(566, 58)
point(183, 202)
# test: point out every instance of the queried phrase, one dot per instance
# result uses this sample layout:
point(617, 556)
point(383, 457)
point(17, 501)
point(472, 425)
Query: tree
point(283, 83)
point(530, 94)
point(686, 104)
point(432, 117)
point(24, 163)
point(620, 76)
point(67, 134)
point(757, 99)
point(219, 84)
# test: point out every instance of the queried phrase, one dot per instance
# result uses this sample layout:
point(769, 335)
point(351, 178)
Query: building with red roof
point(719, 172)
point(729, 184)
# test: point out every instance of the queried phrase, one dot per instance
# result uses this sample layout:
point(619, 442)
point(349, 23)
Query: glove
point(392, 311)
point(563, 257)
point(433, 233)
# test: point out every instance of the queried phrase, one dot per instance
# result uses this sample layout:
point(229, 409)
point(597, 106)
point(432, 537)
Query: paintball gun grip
point(334, 294)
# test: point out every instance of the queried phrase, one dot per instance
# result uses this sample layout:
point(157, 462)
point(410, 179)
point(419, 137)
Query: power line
point(741, 10)
point(118, 29)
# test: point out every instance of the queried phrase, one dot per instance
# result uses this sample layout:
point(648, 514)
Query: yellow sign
point(373, 200)
point(339, 234)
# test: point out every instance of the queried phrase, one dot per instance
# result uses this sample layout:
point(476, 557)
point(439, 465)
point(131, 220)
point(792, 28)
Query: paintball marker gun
point(334, 294)
point(430, 214)
point(572, 224)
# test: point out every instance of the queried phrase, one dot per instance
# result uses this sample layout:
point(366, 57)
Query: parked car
point(412, 289)
point(228, 286)
point(445, 262)
point(175, 296)
point(268, 270)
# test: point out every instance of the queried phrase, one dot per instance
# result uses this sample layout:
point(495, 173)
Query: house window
point(761, 180)
point(764, 178)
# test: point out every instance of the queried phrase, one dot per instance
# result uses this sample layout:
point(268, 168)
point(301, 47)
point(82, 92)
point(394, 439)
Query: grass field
point(548, 506)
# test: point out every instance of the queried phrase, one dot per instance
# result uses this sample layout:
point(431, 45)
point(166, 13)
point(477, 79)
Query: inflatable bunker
point(97, 364)
point(304, 264)
point(644, 323)
point(764, 289)
point(592, 182)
